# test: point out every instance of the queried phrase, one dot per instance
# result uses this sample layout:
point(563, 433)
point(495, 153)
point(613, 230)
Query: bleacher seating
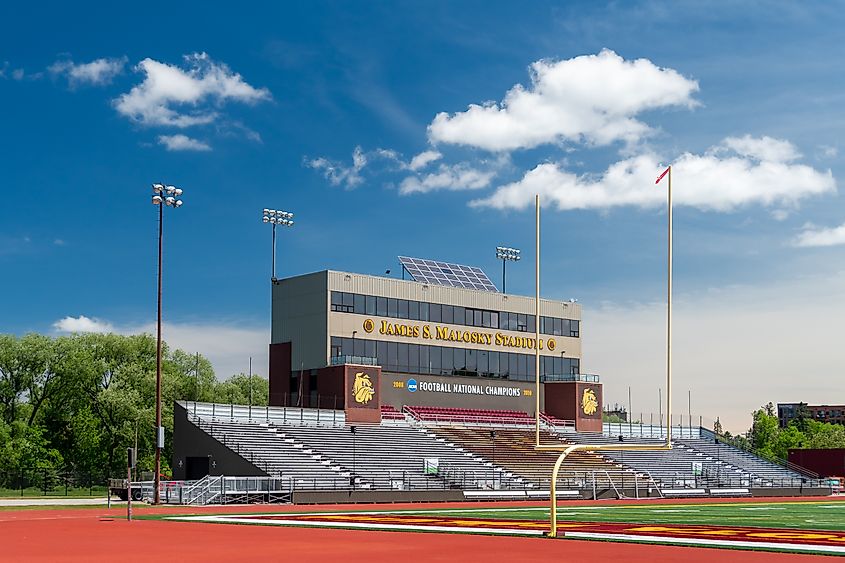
point(513, 450)
point(389, 412)
point(478, 416)
point(474, 450)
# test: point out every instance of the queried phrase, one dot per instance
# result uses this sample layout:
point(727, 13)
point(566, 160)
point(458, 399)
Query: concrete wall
point(191, 441)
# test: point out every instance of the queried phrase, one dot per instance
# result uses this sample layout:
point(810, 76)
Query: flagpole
point(669, 323)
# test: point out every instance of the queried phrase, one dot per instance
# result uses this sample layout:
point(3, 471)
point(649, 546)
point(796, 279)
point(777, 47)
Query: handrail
point(771, 459)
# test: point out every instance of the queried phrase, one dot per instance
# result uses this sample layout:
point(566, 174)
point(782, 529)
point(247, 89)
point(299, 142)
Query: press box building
point(446, 338)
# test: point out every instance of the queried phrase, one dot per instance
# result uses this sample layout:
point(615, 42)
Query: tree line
point(767, 439)
point(75, 403)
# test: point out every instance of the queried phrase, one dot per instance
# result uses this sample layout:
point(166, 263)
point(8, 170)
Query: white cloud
point(762, 148)
point(814, 236)
point(339, 174)
point(228, 347)
point(424, 159)
point(82, 324)
point(713, 181)
point(461, 176)
point(182, 143)
point(591, 98)
point(732, 347)
point(97, 72)
point(167, 87)
point(827, 151)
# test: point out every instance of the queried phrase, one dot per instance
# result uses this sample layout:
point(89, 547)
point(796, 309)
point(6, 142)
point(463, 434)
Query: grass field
point(798, 515)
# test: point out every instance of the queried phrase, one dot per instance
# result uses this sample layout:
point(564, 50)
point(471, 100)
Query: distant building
point(835, 414)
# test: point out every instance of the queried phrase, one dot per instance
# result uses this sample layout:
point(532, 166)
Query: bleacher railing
point(302, 416)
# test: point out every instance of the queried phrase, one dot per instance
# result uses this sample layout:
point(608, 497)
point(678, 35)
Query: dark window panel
point(425, 361)
point(556, 327)
point(403, 308)
point(414, 358)
point(477, 318)
point(447, 313)
point(370, 348)
point(381, 306)
point(522, 322)
point(348, 299)
point(337, 298)
point(381, 353)
point(494, 319)
point(448, 362)
point(414, 310)
point(459, 315)
point(460, 356)
point(574, 329)
point(392, 355)
point(423, 311)
point(472, 361)
point(434, 357)
point(346, 347)
point(370, 305)
point(485, 319)
point(434, 311)
point(494, 364)
point(360, 307)
point(392, 307)
point(359, 347)
point(532, 325)
point(402, 356)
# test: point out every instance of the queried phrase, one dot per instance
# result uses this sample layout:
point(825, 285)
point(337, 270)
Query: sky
point(425, 129)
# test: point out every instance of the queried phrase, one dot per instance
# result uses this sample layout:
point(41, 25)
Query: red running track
point(103, 535)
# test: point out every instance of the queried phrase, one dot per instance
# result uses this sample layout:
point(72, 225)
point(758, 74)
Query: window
point(434, 312)
point(460, 359)
point(494, 364)
point(556, 327)
point(522, 322)
point(402, 353)
point(335, 346)
point(359, 307)
point(512, 321)
point(469, 317)
point(543, 325)
point(494, 319)
point(434, 357)
point(522, 369)
point(414, 310)
point(448, 362)
point(532, 324)
point(472, 362)
point(392, 355)
point(504, 368)
point(459, 315)
point(425, 362)
point(403, 308)
point(484, 363)
point(574, 328)
point(370, 305)
point(478, 318)
point(370, 348)
point(358, 347)
point(414, 358)
point(342, 302)
point(381, 353)
point(392, 307)
point(346, 347)
point(381, 306)
point(446, 312)
point(485, 319)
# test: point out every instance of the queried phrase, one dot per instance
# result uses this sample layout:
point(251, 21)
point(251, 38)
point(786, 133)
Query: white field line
point(361, 525)
point(706, 542)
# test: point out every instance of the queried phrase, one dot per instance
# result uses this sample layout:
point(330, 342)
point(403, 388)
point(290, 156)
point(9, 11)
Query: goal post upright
point(568, 449)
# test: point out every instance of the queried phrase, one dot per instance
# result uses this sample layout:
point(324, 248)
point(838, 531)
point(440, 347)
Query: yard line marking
point(706, 542)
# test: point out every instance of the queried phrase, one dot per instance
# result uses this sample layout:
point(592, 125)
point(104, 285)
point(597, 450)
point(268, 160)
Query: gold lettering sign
point(449, 334)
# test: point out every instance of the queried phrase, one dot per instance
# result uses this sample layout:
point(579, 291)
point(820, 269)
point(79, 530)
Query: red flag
point(661, 176)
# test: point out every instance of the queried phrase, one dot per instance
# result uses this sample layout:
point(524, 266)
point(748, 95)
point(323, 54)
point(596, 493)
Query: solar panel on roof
point(443, 273)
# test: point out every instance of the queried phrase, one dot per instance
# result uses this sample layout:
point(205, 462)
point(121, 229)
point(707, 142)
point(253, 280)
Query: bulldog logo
point(362, 388)
point(589, 404)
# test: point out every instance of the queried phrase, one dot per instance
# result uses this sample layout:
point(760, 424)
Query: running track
point(104, 535)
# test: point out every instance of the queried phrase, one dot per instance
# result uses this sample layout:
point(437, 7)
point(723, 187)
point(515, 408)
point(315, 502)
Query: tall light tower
point(275, 217)
point(504, 254)
point(169, 196)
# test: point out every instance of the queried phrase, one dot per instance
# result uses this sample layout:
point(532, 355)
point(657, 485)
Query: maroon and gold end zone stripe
point(736, 533)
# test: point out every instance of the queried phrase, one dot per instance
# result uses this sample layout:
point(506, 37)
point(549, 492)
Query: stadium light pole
point(506, 254)
point(162, 196)
point(275, 217)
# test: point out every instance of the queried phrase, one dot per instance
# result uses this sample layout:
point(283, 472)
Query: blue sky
point(251, 107)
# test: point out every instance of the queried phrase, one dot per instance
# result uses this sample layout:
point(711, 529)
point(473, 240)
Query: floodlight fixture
point(276, 217)
point(506, 254)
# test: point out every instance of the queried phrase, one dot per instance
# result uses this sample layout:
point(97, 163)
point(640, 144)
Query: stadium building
point(446, 337)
